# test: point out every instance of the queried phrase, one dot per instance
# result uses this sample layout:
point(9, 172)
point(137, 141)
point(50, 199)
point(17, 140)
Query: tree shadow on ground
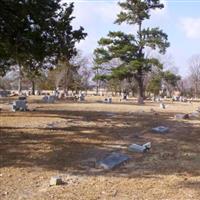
point(76, 146)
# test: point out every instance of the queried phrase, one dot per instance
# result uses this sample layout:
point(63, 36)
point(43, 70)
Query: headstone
point(49, 99)
point(20, 105)
point(125, 97)
point(140, 148)
point(147, 145)
point(162, 105)
point(181, 116)
point(22, 98)
point(105, 100)
point(45, 99)
point(194, 114)
point(140, 100)
point(158, 99)
point(113, 160)
point(61, 95)
point(4, 93)
point(55, 180)
point(81, 97)
point(160, 129)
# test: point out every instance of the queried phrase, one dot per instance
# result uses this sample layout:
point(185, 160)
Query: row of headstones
point(115, 159)
point(53, 98)
point(174, 98)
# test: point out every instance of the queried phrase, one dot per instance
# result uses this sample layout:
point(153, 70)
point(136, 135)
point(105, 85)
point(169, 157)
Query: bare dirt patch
point(68, 139)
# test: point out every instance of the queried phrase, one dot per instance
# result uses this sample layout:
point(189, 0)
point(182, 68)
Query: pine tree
point(130, 48)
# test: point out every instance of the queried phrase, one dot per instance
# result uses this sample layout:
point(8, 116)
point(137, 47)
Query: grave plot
point(160, 129)
point(140, 148)
point(113, 160)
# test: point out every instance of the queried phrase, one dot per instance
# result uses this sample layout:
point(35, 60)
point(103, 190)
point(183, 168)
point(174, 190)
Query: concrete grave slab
point(140, 148)
point(181, 116)
point(113, 160)
point(160, 129)
point(194, 114)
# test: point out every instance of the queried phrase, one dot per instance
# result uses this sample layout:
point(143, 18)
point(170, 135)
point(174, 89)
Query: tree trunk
point(20, 80)
point(66, 76)
point(97, 87)
point(139, 75)
point(140, 91)
point(195, 90)
point(33, 87)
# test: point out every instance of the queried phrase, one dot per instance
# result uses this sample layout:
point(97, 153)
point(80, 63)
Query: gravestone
point(45, 99)
point(81, 97)
point(55, 180)
point(160, 129)
point(4, 93)
point(182, 116)
point(22, 98)
point(105, 100)
point(20, 105)
point(49, 99)
point(113, 160)
point(194, 114)
point(162, 105)
point(140, 148)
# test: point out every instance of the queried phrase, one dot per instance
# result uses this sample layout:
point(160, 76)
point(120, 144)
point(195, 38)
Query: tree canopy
point(36, 34)
point(130, 48)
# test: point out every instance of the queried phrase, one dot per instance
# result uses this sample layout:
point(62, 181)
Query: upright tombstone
point(4, 93)
point(81, 97)
point(158, 99)
point(19, 105)
point(45, 99)
point(105, 100)
point(22, 98)
point(49, 99)
point(162, 105)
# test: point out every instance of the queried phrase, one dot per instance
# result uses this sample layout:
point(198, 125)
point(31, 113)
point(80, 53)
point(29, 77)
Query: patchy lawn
point(68, 139)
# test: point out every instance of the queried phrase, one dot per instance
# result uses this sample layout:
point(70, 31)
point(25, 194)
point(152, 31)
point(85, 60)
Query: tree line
point(38, 42)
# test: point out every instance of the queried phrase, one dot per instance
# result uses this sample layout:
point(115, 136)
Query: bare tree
point(194, 67)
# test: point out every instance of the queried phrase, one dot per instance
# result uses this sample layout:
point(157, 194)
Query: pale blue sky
point(180, 19)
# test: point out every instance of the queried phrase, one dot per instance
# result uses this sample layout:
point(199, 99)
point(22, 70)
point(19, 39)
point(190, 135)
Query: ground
point(68, 139)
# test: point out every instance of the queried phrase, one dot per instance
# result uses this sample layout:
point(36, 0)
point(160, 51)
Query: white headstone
point(55, 180)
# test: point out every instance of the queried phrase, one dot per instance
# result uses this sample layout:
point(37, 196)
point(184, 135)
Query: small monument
point(19, 105)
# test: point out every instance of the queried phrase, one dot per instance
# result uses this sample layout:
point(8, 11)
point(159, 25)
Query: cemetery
point(67, 149)
point(99, 100)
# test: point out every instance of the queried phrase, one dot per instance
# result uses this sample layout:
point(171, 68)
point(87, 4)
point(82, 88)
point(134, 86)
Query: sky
point(180, 19)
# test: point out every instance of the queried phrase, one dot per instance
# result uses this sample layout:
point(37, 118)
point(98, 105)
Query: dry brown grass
point(67, 139)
